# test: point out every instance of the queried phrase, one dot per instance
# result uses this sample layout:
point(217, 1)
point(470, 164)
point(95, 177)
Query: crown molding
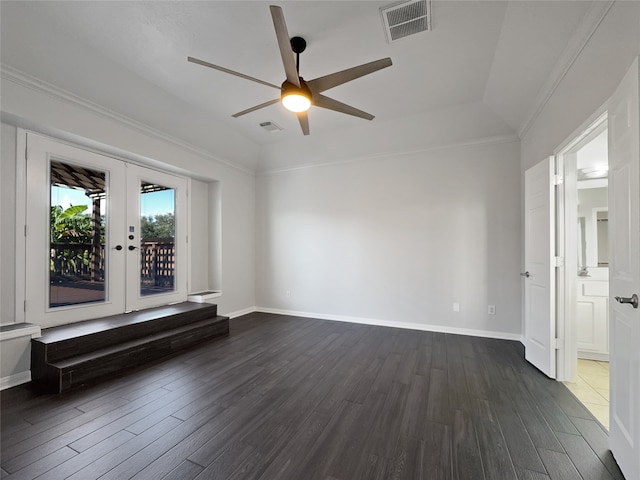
point(578, 41)
point(11, 74)
point(496, 140)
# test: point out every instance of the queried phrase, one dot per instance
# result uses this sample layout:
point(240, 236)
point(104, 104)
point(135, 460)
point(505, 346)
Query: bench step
point(125, 343)
point(75, 339)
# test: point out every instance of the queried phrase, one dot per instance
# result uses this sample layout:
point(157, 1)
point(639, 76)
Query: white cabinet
point(592, 318)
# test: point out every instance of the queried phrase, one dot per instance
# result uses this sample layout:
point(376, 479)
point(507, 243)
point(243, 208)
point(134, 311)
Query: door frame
point(567, 237)
point(21, 202)
point(567, 204)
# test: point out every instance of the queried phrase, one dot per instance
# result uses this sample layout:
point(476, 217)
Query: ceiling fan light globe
point(296, 102)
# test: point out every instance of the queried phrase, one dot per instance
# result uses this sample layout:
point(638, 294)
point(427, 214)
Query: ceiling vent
point(406, 18)
point(271, 126)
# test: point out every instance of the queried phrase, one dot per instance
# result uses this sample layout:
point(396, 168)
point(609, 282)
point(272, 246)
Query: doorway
point(623, 152)
point(586, 167)
point(102, 236)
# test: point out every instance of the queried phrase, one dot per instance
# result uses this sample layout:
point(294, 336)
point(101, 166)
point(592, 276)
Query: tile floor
point(591, 386)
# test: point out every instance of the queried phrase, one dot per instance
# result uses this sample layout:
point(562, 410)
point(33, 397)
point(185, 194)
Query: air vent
point(271, 127)
point(406, 18)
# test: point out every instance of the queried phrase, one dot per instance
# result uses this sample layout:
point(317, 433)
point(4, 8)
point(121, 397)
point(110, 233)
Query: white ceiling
point(130, 57)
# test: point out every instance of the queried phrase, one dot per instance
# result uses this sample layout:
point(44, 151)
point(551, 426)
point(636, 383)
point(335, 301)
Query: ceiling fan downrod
point(298, 45)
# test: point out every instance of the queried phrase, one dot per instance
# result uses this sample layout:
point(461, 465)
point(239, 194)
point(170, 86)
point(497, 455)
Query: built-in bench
point(71, 355)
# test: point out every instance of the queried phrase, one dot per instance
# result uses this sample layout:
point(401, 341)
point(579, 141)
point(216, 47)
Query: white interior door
point(624, 272)
point(539, 275)
point(102, 237)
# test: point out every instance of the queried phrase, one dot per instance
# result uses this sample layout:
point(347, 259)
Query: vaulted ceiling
point(130, 58)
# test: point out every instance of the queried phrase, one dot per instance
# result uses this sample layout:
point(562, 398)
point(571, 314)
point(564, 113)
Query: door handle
point(118, 247)
point(525, 274)
point(633, 300)
point(132, 247)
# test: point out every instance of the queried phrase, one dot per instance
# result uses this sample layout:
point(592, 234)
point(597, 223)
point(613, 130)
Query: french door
point(102, 236)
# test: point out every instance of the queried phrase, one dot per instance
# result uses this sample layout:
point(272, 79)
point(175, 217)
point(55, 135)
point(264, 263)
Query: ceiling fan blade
point(321, 84)
point(257, 107)
point(226, 70)
point(284, 42)
point(331, 104)
point(303, 118)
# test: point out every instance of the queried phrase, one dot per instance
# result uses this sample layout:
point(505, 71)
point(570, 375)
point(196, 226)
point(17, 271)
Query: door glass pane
point(157, 232)
point(76, 235)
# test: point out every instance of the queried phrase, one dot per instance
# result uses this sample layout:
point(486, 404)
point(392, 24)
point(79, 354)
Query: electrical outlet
point(491, 310)
point(456, 307)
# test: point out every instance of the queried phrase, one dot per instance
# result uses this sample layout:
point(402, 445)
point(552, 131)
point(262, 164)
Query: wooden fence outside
point(157, 262)
point(74, 260)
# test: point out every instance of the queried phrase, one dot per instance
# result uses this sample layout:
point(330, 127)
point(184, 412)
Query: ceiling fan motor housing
point(291, 89)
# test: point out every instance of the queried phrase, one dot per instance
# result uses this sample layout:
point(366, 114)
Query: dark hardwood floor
point(301, 399)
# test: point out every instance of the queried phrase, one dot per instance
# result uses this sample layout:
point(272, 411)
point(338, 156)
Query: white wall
point(396, 239)
point(199, 238)
point(589, 198)
point(7, 225)
point(47, 112)
point(456, 125)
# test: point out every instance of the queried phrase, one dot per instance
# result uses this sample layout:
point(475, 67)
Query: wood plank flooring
point(301, 399)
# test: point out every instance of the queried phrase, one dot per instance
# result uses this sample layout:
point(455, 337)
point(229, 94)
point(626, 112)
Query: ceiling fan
point(296, 94)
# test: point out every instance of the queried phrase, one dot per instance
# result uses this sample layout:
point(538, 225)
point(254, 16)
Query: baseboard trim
point(388, 323)
point(599, 357)
point(239, 313)
point(15, 380)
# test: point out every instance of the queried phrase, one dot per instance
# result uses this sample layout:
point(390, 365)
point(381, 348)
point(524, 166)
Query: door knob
point(633, 300)
point(525, 274)
point(131, 247)
point(118, 247)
